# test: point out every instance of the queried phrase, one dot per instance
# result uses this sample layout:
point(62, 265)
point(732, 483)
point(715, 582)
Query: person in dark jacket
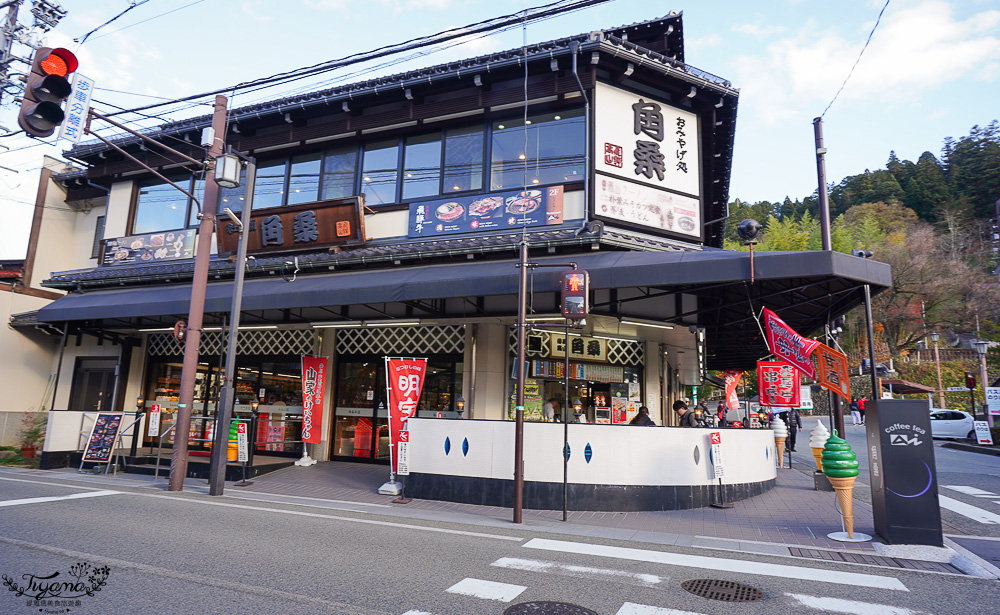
point(720, 415)
point(642, 418)
point(794, 421)
point(686, 416)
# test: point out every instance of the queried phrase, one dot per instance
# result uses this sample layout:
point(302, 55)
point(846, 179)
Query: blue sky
point(931, 70)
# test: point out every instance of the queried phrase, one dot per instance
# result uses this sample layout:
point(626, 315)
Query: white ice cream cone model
point(817, 440)
point(840, 465)
point(780, 435)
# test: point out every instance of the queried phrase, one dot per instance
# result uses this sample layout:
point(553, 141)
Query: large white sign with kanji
point(646, 140)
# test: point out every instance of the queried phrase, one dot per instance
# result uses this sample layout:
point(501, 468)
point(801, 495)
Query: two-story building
point(387, 218)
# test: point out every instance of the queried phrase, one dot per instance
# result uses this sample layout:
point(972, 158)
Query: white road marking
point(970, 490)
point(968, 510)
point(584, 572)
point(838, 605)
point(719, 564)
point(630, 608)
point(417, 613)
point(73, 496)
point(488, 590)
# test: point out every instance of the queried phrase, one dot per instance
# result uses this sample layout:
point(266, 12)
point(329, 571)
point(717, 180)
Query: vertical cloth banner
point(831, 371)
point(732, 378)
point(404, 381)
point(787, 345)
point(314, 371)
point(778, 384)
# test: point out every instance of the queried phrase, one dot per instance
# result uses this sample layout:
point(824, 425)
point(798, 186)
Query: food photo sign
point(491, 212)
point(149, 248)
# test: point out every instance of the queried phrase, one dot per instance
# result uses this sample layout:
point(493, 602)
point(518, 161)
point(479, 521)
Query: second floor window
point(161, 207)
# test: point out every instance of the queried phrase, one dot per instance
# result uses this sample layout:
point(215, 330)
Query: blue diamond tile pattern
point(447, 446)
point(465, 447)
point(588, 452)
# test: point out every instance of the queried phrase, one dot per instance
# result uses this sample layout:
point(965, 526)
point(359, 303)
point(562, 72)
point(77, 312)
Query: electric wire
point(87, 35)
point(180, 8)
point(851, 72)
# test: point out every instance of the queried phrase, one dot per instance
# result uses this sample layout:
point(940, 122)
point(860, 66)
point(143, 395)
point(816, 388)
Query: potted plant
point(32, 432)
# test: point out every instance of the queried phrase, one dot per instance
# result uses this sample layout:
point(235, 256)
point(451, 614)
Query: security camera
point(748, 229)
point(229, 214)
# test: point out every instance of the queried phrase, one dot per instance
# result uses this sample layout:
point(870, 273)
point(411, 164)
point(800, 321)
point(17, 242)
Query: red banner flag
point(787, 345)
point(732, 378)
point(405, 381)
point(313, 384)
point(832, 371)
point(778, 384)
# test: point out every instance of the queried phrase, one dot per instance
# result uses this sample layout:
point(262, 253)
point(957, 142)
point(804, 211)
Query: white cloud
point(759, 31)
point(915, 49)
point(694, 45)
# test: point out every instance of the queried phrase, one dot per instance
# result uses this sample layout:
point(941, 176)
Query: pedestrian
point(793, 419)
point(549, 409)
point(720, 415)
point(686, 416)
point(642, 418)
point(855, 412)
point(861, 409)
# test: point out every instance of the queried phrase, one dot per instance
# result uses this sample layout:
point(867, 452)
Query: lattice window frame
point(404, 341)
point(255, 342)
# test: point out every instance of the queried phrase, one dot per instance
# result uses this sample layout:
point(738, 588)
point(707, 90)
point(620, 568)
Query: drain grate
point(545, 607)
point(726, 591)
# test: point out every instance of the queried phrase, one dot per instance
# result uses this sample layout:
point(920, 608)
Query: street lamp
point(982, 347)
point(140, 403)
point(935, 336)
point(460, 406)
point(577, 408)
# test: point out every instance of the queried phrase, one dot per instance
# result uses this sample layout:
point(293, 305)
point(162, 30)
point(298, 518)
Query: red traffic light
point(575, 294)
point(46, 87)
point(970, 380)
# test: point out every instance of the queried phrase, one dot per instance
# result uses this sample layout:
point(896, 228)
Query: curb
point(972, 448)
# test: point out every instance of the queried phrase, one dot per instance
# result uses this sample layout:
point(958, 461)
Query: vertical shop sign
point(404, 381)
point(313, 383)
point(242, 450)
point(831, 371)
point(778, 384)
point(101, 443)
point(788, 345)
point(717, 453)
point(154, 420)
point(732, 378)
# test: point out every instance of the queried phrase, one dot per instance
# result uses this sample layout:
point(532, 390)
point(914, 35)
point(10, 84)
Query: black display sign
point(902, 472)
point(149, 248)
point(101, 444)
point(487, 212)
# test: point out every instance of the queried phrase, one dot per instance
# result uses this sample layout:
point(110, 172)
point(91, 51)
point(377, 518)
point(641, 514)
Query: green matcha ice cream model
point(840, 465)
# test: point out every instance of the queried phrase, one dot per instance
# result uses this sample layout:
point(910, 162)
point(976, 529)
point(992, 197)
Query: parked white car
point(952, 424)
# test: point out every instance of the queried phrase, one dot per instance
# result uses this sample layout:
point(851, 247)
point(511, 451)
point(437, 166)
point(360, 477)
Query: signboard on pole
point(993, 399)
point(778, 384)
point(787, 345)
point(732, 379)
point(101, 443)
point(405, 381)
point(314, 371)
point(717, 453)
point(983, 435)
point(242, 450)
point(831, 371)
point(77, 107)
point(154, 420)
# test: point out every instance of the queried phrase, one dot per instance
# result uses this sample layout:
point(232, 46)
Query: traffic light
point(575, 294)
point(46, 87)
point(970, 380)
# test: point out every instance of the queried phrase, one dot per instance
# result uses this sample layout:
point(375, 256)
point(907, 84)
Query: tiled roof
point(372, 255)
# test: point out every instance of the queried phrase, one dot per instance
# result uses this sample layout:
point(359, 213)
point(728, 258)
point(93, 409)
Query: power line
point(131, 6)
point(851, 72)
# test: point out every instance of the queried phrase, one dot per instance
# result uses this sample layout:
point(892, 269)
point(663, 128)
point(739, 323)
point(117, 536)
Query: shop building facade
point(387, 216)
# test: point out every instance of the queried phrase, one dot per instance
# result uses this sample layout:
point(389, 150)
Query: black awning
point(710, 289)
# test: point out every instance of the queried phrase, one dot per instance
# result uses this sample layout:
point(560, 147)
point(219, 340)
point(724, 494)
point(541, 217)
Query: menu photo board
point(487, 212)
point(101, 443)
point(149, 248)
point(645, 207)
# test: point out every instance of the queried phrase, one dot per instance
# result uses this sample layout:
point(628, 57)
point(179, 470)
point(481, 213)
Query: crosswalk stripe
point(630, 608)
point(533, 565)
point(839, 605)
point(488, 590)
point(417, 613)
point(968, 510)
point(74, 496)
point(969, 490)
point(719, 564)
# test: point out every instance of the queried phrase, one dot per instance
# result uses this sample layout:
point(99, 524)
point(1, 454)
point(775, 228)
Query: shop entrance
point(93, 385)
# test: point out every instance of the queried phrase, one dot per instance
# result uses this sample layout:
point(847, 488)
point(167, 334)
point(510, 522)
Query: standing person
point(794, 421)
point(642, 418)
point(855, 412)
point(720, 415)
point(861, 410)
point(549, 409)
point(686, 416)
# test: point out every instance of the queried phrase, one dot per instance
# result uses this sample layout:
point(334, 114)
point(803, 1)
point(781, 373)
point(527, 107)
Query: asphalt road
point(191, 553)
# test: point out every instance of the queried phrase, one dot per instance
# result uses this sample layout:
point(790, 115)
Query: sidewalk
point(791, 520)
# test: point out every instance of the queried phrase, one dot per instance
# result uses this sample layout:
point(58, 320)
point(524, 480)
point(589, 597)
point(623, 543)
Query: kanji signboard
point(298, 227)
point(778, 384)
point(831, 371)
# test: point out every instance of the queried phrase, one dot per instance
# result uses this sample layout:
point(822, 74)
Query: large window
point(269, 186)
point(463, 159)
point(544, 149)
point(340, 166)
point(379, 172)
point(162, 207)
point(303, 178)
point(422, 166)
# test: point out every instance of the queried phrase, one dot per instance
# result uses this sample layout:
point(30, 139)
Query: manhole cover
point(545, 607)
point(726, 591)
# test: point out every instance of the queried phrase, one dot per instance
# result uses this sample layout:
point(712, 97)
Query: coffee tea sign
point(299, 227)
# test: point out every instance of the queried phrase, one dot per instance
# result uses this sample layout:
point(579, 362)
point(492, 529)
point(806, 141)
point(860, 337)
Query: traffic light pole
point(196, 312)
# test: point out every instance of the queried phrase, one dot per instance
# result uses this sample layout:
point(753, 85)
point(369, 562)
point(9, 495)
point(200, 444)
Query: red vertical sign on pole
point(778, 384)
point(405, 381)
point(732, 379)
point(313, 383)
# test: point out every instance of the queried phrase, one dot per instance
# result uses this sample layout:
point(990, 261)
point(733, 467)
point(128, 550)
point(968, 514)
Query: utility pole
point(7, 43)
point(196, 312)
point(824, 202)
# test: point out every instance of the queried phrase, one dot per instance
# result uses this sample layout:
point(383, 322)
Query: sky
point(931, 70)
